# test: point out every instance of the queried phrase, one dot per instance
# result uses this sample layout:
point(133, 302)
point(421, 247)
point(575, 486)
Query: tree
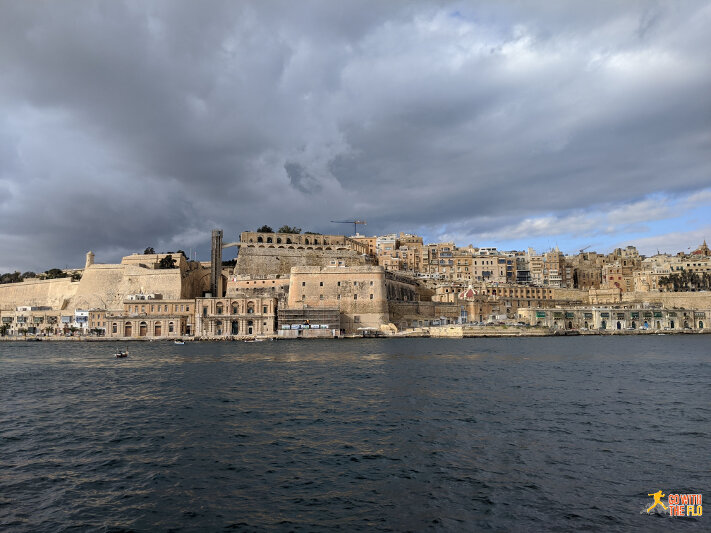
point(3, 329)
point(11, 277)
point(76, 276)
point(55, 273)
point(22, 331)
point(289, 229)
point(28, 275)
point(312, 233)
point(182, 252)
point(149, 250)
point(167, 262)
point(265, 229)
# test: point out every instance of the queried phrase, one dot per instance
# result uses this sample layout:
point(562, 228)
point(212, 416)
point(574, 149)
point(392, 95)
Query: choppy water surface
point(503, 434)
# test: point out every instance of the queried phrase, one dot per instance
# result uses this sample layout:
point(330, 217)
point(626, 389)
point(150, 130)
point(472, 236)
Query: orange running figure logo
point(657, 500)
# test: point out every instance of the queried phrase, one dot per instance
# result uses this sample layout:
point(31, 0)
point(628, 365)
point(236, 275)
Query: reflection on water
point(408, 434)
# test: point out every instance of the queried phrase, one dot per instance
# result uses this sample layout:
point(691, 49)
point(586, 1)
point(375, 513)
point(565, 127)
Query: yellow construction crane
point(354, 222)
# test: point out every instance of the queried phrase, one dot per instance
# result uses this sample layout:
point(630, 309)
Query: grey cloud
point(148, 123)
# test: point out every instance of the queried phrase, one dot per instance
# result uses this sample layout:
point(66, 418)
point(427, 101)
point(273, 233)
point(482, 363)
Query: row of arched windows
point(142, 329)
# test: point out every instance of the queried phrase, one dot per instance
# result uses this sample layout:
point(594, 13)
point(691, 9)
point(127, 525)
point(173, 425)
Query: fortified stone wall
point(401, 288)
point(683, 300)
point(358, 292)
point(257, 261)
point(106, 286)
point(33, 292)
point(404, 314)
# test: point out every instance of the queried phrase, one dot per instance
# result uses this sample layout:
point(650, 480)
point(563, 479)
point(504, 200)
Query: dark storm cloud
point(124, 125)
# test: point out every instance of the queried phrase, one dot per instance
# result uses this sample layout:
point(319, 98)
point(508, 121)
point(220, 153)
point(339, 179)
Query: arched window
point(269, 240)
point(278, 240)
point(114, 327)
point(701, 324)
point(142, 329)
point(235, 327)
point(219, 309)
point(306, 241)
point(288, 240)
point(171, 327)
point(259, 239)
point(235, 309)
point(250, 308)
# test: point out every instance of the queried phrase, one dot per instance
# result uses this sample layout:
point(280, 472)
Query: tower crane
point(354, 222)
point(583, 249)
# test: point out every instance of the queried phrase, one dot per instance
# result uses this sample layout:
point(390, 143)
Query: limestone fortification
point(105, 286)
point(263, 261)
point(54, 293)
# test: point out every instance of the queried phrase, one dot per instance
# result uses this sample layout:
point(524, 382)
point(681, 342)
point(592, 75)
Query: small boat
point(179, 342)
point(120, 354)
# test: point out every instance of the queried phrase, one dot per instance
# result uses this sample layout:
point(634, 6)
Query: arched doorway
point(249, 327)
point(603, 325)
point(142, 329)
point(701, 324)
point(671, 324)
point(646, 324)
point(218, 327)
point(157, 329)
point(570, 325)
point(586, 324)
point(235, 327)
point(686, 324)
point(634, 325)
point(619, 325)
point(659, 324)
point(127, 330)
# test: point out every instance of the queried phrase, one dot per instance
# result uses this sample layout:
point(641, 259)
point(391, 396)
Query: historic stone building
point(235, 317)
point(149, 318)
point(618, 318)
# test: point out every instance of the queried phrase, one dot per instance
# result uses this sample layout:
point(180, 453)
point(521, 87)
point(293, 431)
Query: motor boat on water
point(120, 354)
point(178, 342)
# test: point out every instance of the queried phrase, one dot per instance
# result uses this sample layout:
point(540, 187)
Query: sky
point(575, 124)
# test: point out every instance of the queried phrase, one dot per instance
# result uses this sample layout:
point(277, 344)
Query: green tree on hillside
point(289, 229)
